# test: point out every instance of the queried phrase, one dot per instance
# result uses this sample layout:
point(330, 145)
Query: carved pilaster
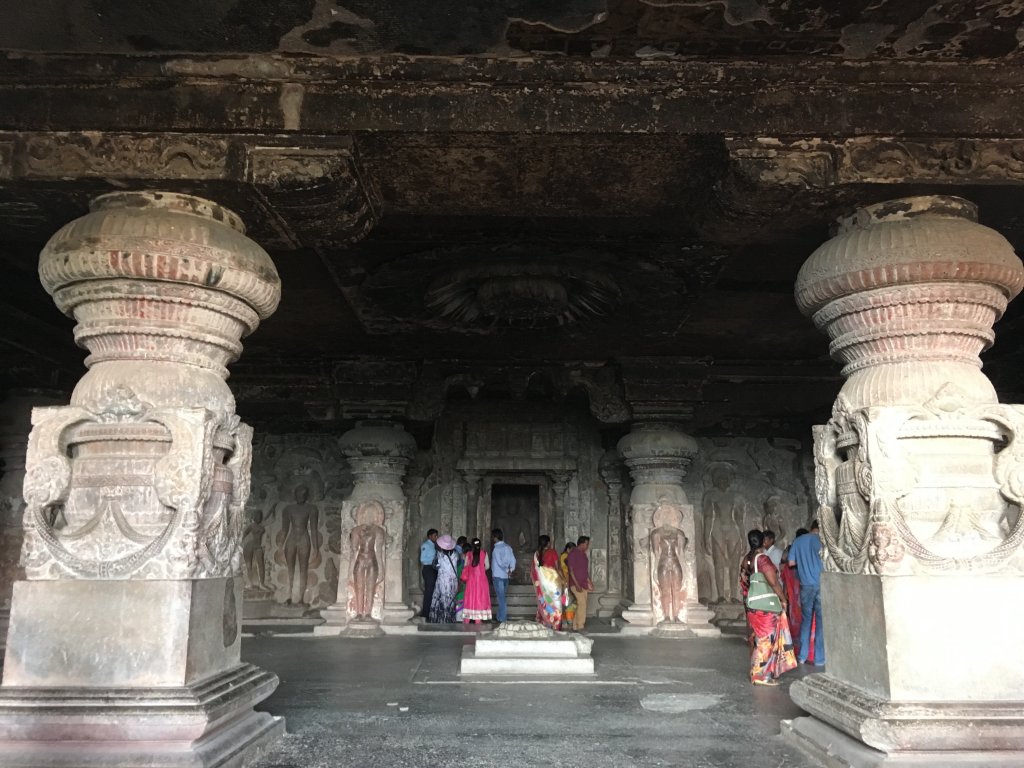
point(378, 454)
point(658, 455)
point(918, 483)
point(473, 515)
point(135, 492)
point(560, 506)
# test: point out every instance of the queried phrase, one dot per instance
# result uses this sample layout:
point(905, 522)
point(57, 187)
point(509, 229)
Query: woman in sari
point(461, 545)
point(569, 611)
point(442, 606)
point(477, 604)
point(771, 652)
point(547, 580)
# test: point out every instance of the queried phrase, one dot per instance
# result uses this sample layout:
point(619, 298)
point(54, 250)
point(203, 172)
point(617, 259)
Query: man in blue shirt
point(428, 565)
point(805, 555)
point(503, 563)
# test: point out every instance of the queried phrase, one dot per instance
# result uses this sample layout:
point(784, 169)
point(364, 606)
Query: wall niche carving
point(293, 525)
point(740, 483)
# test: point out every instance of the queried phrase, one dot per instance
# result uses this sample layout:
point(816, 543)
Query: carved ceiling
point(851, 29)
point(616, 218)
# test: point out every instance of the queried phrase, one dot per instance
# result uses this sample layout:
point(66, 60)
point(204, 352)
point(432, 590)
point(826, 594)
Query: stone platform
point(526, 649)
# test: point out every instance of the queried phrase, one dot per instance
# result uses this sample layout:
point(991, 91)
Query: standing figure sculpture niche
point(668, 545)
point(367, 541)
point(723, 535)
point(252, 552)
point(300, 524)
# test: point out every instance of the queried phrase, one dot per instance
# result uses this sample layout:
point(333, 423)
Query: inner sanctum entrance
point(516, 510)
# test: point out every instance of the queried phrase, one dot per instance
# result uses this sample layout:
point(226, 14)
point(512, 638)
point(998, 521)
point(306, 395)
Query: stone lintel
point(310, 192)
point(326, 95)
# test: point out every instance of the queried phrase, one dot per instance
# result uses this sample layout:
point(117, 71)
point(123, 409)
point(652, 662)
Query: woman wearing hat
point(442, 606)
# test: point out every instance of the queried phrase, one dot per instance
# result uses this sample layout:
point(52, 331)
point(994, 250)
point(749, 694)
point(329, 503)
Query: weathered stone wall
point(762, 483)
point(282, 464)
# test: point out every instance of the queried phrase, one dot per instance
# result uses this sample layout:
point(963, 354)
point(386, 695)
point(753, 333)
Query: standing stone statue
point(668, 543)
point(723, 537)
point(252, 552)
point(300, 524)
point(367, 541)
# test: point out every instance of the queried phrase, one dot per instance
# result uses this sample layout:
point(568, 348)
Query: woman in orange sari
point(771, 653)
point(547, 580)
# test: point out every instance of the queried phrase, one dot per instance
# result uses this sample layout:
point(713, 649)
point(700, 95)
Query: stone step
point(473, 665)
point(510, 648)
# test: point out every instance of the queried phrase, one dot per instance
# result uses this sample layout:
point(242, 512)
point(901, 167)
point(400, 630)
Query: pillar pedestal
point(663, 535)
point(15, 424)
point(124, 645)
point(371, 599)
point(919, 497)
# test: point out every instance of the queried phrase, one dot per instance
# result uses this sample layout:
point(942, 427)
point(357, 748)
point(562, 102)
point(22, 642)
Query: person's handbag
point(760, 595)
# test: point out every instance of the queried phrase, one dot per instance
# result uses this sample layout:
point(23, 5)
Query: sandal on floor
point(772, 683)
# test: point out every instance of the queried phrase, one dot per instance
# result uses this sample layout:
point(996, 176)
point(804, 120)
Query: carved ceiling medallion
point(522, 295)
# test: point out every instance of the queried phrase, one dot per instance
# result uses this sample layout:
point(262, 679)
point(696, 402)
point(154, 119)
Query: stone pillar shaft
point(135, 495)
point(657, 456)
point(917, 477)
point(372, 531)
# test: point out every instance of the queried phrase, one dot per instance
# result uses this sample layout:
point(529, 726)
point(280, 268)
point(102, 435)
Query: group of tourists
point(782, 592)
point(562, 583)
point(458, 575)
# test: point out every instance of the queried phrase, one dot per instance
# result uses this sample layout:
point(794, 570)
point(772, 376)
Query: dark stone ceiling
point(851, 29)
point(512, 200)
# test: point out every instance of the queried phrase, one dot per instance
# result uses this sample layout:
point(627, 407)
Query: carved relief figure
point(252, 552)
point(668, 543)
point(300, 523)
point(367, 541)
point(723, 537)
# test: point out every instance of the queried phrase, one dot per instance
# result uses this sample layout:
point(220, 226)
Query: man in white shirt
point(770, 549)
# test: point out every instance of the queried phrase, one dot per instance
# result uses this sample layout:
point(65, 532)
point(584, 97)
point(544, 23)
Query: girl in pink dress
point(477, 603)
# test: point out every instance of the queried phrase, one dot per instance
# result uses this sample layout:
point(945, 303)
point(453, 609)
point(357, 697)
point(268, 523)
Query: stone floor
point(397, 701)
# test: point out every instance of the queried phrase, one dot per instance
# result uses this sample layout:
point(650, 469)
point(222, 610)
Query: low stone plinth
point(210, 724)
point(526, 649)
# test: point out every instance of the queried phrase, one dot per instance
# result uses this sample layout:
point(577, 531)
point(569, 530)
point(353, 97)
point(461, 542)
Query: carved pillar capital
point(908, 291)
point(657, 453)
point(378, 453)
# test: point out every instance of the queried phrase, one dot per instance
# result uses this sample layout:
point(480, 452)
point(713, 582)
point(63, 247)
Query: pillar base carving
point(180, 698)
point(893, 690)
point(643, 619)
point(200, 725)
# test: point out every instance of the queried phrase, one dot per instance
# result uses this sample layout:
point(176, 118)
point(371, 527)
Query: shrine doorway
point(516, 510)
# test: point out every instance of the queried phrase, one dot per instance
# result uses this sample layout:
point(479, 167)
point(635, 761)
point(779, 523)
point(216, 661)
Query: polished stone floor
point(397, 701)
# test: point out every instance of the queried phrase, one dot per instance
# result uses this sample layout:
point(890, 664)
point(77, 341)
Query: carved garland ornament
point(201, 499)
point(867, 477)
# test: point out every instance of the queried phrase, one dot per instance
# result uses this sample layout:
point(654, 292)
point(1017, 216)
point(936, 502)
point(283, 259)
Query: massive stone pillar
point(370, 582)
point(15, 424)
point(662, 529)
point(919, 483)
point(124, 639)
